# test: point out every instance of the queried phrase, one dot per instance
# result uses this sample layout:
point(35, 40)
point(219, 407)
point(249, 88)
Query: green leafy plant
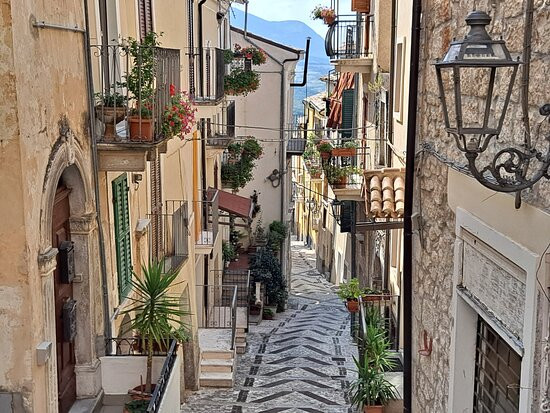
point(140, 81)
point(157, 316)
point(348, 145)
point(111, 99)
point(268, 314)
point(311, 152)
point(137, 406)
point(237, 172)
point(350, 290)
point(277, 234)
point(256, 55)
point(321, 12)
point(179, 115)
point(315, 171)
point(241, 82)
point(371, 388)
point(266, 269)
point(228, 251)
point(324, 146)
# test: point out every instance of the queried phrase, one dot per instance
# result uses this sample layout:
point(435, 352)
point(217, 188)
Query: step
point(209, 379)
point(241, 349)
point(217, 365)
point(240, 340)
point(216, 355)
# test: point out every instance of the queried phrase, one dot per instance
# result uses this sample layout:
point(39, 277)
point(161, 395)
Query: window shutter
point(347, 113)
point(156, 208)
point(145, 17)
point(122, 235)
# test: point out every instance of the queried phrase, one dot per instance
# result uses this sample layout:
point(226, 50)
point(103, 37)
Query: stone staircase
point(240, 341)
point(217, 368)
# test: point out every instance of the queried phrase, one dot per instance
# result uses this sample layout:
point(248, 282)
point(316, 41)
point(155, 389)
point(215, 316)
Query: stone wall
point(434, 242)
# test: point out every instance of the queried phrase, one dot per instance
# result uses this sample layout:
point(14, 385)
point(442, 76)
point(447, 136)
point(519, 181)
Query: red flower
point(172, 123)
point(172, 90)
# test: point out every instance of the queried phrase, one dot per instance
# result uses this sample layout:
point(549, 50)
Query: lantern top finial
point(477, 20)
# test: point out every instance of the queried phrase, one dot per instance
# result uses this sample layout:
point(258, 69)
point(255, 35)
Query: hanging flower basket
point(352, 305)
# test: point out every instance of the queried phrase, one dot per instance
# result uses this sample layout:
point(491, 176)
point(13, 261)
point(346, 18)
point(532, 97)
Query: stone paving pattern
point(299, 362)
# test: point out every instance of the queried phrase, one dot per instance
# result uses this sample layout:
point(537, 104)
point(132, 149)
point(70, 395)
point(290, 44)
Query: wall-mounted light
point(466, 63)
point(136, 179)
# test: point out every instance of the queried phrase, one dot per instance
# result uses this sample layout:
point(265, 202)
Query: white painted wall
point(122, 373)
point(171, 401)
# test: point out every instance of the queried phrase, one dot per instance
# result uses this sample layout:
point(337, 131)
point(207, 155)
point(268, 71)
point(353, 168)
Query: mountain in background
point(292, 33)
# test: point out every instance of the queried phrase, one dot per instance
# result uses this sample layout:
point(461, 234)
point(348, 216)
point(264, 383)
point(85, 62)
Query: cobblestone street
point(299, 362)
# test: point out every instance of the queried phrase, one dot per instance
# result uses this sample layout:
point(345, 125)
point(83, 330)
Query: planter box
point(344, 151)
point(122, 373)
point(376, 297)
point(362, 6)
point(352, 306)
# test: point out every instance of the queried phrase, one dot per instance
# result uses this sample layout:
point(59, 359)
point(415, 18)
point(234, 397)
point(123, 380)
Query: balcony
point(206, 75)
point(343, 167)
point(132, 86)
point(169, 235)
point(296, 146)
point(347, 44)
point(221, 133)
point(207, 221)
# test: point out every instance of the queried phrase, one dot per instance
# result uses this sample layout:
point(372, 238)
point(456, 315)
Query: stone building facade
point(479, 264)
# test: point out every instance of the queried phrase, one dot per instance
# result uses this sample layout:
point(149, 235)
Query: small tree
point(157, 316)
point(266, 268)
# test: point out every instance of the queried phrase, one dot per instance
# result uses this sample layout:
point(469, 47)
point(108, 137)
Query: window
point(398, 80)
point(122, 235)
point(145, 9)
point(497, 374)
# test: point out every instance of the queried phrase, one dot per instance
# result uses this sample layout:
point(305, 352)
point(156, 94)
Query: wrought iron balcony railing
point(208, 211)
point(169, 234)
point(132, 89)
point(349, 38)
point(206, 74)
point(221, 132)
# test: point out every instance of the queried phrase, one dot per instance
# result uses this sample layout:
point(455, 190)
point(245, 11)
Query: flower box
point(344, 151)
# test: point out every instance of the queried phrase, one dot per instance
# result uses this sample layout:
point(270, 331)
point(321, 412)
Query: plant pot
point(352, 306)
point(373, 409)
point(255, 309)
point(376, 297)
point(138, 406)
point(362, 6)
point(329, 20)
point(141, 129)
point(110, 117)
point(325, 155)
point(344, 151)
point(342, 181)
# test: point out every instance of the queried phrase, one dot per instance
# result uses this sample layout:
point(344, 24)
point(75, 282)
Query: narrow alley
point(299, 362)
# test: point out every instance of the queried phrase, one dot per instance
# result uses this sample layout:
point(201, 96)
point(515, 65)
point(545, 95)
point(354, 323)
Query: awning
point(234, 204)
point(345, 82)
point(384, 193)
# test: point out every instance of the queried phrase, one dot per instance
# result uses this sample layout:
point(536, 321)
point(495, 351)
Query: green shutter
point(347, 113)
point(122, 235)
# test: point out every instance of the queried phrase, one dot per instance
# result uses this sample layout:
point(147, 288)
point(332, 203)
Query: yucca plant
point(157, 316)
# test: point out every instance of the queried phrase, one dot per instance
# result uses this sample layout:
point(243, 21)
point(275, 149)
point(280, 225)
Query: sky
point(277, 10)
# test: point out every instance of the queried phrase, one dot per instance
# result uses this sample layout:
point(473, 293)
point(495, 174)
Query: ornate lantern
point(484, 68)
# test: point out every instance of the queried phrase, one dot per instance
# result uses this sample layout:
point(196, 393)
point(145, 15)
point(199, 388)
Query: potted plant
point(136, 406)
point(241, 157)
point(350, 292)
point(228, 252)
point(348, 148)
point(325, 148)
point(268, 314)
point(315, 171)
point(371, 391)
point(241, 82)
point(111, 109)
point(255, 55)
point(327, 14)
point(140, 81)
point(337, 175)
point(156, 315)
point(179, 115)
point(370, 294)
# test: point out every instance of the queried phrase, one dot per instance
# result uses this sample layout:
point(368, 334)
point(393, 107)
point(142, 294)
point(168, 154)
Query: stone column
point(85, 291)
point(46, 264)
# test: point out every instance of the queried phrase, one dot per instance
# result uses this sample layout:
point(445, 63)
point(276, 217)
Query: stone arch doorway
point(67, 215)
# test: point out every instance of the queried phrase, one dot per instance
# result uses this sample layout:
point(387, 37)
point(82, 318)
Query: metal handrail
point(234, 318)
point(160, 388)
point(248, 301)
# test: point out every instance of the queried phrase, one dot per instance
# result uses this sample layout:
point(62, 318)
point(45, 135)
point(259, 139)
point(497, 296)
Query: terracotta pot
point(352, 306)
point(255, 309)
point(141, 129)
point(329, 20)
point(325, 155)
point(342, 181)
point(110, 117)
point(344, 152)
point(362, 6)
point(376, 297)
point(373, 409)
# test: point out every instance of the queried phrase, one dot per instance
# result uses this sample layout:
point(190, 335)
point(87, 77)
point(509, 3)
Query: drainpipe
point(409, 196)
point(103, 261)
point(392, 82)
point(201, 57)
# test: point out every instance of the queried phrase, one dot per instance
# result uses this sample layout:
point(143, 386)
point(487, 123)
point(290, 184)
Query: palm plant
point(157, 316)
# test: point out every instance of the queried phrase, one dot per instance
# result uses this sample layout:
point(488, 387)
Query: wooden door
point(66, 378)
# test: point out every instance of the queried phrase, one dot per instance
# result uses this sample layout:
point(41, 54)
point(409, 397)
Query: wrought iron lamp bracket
point(507, 172)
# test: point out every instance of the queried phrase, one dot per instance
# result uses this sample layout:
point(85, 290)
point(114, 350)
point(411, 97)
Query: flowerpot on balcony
point(352, 305)
point(362, 6)
point(329, 20)
point(343, 180)
point(344, 151)
point(110, 116)
point(325, 155)
point(373, 409)
point(141, 129)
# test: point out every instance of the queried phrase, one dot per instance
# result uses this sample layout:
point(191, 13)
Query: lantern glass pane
point(478, 114)
point(484, 53)
point(449, 95)
point(452, 54)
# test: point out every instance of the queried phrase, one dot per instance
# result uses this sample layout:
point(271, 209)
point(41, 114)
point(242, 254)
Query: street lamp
point(466, 64)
